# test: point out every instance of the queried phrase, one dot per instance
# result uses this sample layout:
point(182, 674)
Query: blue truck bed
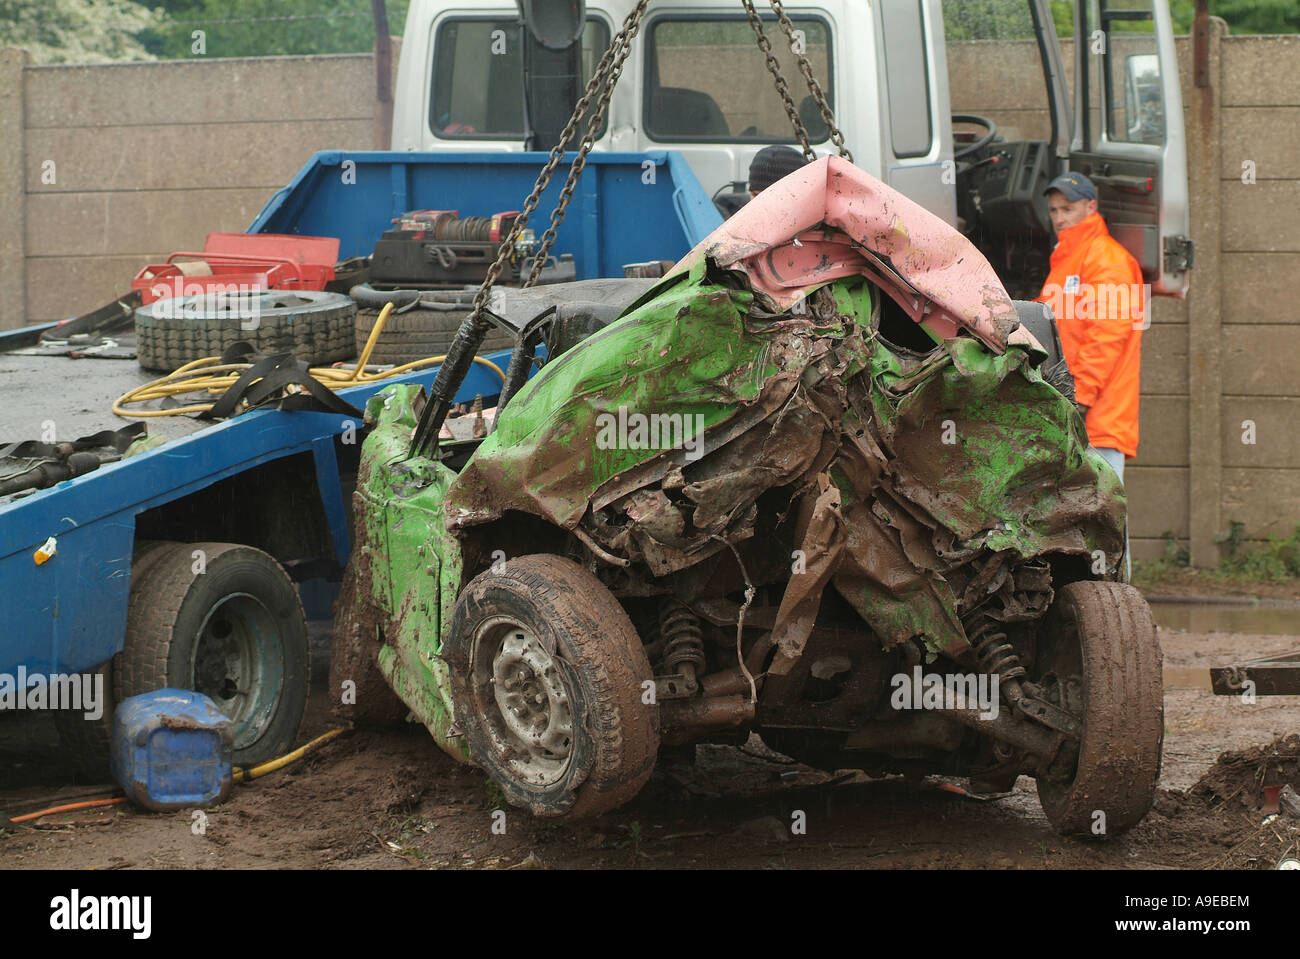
point(69, 614)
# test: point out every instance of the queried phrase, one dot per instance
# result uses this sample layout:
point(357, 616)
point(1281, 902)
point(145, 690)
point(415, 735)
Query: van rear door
point(1128, 132)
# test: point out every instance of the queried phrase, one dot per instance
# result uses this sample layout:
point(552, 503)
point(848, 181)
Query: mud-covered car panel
point(936, 457)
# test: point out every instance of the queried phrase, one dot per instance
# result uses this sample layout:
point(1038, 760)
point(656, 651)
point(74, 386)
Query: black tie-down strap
point(50, 463)
point(118, 440)
point(263, 385)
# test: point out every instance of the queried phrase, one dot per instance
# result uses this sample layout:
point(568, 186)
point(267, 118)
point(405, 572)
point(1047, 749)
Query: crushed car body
point(818, 455)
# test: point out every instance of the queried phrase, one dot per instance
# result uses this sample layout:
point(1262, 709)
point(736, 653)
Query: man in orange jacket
point(1095, 289)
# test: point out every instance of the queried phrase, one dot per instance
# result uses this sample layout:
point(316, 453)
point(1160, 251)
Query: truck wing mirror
point(555, 24)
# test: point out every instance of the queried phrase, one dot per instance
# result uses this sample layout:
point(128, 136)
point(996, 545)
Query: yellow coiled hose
point(211, 375)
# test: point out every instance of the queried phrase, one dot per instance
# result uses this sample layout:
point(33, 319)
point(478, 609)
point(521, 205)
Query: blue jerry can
point(172, 749)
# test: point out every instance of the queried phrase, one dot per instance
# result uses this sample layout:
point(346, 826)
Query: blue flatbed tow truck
point(183, 565)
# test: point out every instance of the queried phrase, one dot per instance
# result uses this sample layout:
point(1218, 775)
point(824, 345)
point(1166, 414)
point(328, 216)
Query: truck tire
point(225, 620)
point(546, 674)
point(87, 742)
point(313, 326)
point(418, 334)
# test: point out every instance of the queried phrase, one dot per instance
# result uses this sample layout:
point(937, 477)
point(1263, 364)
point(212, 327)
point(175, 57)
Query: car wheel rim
point(238, 664)
point(524, 701)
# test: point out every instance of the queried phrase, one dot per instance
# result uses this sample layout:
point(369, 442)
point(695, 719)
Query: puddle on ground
point(1226, 618)
point(1185, 678)
point(1262, 619)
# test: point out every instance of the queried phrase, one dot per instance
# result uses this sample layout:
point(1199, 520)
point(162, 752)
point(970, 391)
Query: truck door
point(1128, 132)
point(915, 134)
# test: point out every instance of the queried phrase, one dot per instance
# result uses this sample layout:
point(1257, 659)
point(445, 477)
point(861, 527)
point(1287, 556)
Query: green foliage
point(97, 31)
point(1147, 574)
point(1258, 16)
point(1063, 17)
point(1277, 560)
point(1232, 537)
point(1175, 553)
point(76, 31)
point(253, 28)
point(988, 20)
point(1243, 16)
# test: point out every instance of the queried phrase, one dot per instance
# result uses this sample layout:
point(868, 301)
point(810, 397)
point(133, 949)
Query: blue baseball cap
point(1074, 186)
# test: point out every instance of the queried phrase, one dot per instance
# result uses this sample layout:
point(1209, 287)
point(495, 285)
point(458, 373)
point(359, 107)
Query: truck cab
point(473, 76)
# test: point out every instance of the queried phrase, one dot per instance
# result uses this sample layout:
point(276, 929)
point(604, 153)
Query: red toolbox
point(242, 261)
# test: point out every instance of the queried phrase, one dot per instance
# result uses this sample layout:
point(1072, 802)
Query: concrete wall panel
point(201, 90)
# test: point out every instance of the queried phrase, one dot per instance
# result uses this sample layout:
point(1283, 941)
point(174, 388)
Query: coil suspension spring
point(683, 641)
point(995, 655)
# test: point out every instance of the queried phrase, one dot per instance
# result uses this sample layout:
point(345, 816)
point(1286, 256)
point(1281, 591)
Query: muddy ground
point(392, 800)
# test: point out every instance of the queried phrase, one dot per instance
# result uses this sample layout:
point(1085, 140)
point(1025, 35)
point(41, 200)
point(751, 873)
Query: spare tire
point(423, 331)
point(312, 325)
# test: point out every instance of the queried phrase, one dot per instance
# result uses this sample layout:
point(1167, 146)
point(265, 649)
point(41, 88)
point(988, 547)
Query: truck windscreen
point(478, 76)
point(707, 80)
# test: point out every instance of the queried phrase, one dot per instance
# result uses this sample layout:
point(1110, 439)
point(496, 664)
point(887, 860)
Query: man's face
point(1065, 213)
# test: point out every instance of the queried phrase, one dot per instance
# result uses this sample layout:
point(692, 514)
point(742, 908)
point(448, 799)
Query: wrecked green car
point(824, 483)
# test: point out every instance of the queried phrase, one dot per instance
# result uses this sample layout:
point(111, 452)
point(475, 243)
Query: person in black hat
point(771, 164)
point(1075, 199)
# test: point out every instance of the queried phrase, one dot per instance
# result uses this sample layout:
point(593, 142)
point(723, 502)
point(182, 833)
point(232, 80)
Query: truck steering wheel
point(983, 141)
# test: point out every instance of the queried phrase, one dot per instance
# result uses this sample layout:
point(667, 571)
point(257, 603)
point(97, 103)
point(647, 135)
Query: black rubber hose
point(404, 300)
point(367, 296)
point(460, 354)
point(46, 474)
point(521, 361)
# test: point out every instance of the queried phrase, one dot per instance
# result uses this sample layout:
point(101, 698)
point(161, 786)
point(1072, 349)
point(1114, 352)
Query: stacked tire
point(424, 331)
point(314, 326)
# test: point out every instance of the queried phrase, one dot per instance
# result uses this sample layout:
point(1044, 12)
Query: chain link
point(507, 248)
point(805, 67)
point(620, 47)
point(602, 80)
point(601, 86)
point(782, 88)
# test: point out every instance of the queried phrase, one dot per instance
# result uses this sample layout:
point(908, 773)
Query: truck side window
point(478, 76)
point(707, 81)
point(1135, 108)
point(906, 70)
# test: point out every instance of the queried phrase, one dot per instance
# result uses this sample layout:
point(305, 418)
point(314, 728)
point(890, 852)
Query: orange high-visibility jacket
point(1095, 290)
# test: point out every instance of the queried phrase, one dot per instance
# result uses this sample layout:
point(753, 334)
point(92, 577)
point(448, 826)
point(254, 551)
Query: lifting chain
point(462, 349)
point(782, 88)
point(605, 79)
point(805, 67)
point(610, 65)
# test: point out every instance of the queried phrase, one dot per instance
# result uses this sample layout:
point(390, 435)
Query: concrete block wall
point(115, 165)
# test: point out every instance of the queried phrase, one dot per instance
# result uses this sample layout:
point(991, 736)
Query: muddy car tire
point(543, 628)
point(233, 629)
point(1104, 637)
